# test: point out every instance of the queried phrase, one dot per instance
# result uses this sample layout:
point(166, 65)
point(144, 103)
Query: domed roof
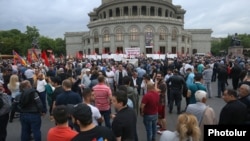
point(107, 1)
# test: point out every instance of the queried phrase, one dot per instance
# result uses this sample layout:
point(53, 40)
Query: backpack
point(5, 104)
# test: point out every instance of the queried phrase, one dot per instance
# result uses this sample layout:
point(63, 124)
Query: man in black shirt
point(56, 82)
point(176, 85)
point(234, 112)
point(124, 122)
point(82, 116)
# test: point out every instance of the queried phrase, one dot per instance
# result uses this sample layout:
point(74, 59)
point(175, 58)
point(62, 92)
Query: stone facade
point(155, 26)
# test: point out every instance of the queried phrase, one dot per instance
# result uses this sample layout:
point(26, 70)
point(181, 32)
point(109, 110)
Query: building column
point(100, 44)
point(112, 42)
point(121, 11)
point(169, 43)
point(130, 11)
point(178, 47)
point(139, 10)
point(148, 11)
point(156, 11)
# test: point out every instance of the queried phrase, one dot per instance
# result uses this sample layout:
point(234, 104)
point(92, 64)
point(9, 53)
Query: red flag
point(104, 51)
point(34, 55)
point(45, 58)
point(19, 58)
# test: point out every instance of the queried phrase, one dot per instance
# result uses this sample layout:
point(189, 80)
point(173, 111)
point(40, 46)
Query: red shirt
point(151, 101)
point(60, 133)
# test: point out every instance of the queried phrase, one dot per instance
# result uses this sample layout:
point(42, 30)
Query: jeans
point(208, 87)
point(3, 126)
point(42, 96)
point(106, 115)
point(31, 123)
point(150, 122)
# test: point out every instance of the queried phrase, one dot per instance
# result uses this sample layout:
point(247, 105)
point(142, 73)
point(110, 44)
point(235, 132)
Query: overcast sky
point(55, 17)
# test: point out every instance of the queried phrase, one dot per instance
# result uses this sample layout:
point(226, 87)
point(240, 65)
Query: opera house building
point(153, 26)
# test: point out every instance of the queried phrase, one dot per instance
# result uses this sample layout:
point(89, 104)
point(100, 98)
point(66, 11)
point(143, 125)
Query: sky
point(55, 17)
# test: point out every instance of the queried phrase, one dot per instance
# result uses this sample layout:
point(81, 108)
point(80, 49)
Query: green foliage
point(218, 47)
point(20, 42)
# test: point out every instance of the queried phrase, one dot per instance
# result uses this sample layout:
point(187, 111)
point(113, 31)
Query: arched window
point(152, 11)
point(149, 37)
point(162, 34)
point(119, 35)
point(106, 37)
point(166, 13)
point(96, 37)
point(134, 11)
point(133, 34)
point(182, 50)
point(117, 12)
point(174, 34)
point(110, 13)
point(160, 12)
point(104, 15)
point(144, 10)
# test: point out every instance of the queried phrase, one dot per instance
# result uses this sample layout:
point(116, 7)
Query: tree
point(20, 42)
point(32, 35)
point(60, 47)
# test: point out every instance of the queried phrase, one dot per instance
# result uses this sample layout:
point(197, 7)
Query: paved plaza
point(14, 129)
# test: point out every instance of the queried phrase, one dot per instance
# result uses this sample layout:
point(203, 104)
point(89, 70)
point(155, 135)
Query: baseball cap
point(80, 111)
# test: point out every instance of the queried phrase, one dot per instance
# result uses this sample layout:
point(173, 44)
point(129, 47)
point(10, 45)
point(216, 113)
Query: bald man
point(244, 94)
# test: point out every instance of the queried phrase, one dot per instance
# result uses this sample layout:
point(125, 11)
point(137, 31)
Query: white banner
point(132, 51)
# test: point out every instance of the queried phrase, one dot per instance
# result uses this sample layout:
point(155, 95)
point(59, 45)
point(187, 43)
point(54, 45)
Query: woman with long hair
point(187, 128)
point(13, 86)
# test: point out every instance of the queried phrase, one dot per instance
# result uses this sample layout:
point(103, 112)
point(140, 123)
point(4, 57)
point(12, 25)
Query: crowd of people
point(82, 95)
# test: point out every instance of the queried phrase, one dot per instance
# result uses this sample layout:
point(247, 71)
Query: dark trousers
point(31, 123)
point(3, 126)
point(214, 76)
point(175, 96)
point(106, 115)
point(235, 82)
point(42, 96)
point(187, 101)
point(13, 110)
point(221, 87)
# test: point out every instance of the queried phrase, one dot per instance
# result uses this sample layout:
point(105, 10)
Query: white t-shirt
point(95, 114)
point(41, 85)
point(110, 76)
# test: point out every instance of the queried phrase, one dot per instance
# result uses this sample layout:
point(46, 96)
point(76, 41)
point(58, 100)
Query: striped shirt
point(102, 96)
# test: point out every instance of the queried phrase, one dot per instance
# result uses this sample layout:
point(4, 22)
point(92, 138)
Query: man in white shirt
point(88, 98)
point(29, 74)
point(110, 76)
